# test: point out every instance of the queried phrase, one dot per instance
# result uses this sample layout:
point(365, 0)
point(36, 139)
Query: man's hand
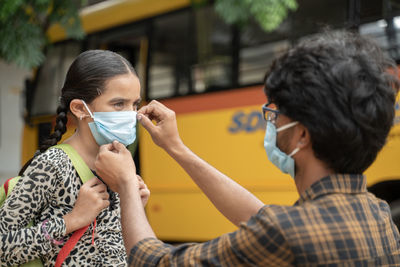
point(165, 132)
point(115, 166)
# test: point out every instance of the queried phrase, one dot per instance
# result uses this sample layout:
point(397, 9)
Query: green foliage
point(24, 23)
point(268, 13)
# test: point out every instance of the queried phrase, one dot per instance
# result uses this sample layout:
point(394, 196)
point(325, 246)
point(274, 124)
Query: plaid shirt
point(336, 222)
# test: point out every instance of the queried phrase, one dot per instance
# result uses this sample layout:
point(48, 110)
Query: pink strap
point(6, 185)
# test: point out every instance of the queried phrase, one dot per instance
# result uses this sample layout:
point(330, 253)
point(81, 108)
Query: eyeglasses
point(270, 112)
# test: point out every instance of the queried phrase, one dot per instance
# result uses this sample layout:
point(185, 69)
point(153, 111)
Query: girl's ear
point(78, 109)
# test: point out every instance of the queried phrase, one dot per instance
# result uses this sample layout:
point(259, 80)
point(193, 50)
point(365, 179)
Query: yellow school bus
point(210, 74)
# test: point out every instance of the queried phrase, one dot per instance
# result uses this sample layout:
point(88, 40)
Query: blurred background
point(204, 59)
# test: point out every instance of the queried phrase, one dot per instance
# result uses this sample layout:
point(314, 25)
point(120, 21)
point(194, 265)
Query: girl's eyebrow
point(118, 99)
point(137, 102)
point(121, 99)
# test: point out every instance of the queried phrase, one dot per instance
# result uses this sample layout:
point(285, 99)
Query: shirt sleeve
point(33, 191)
point(256, 243)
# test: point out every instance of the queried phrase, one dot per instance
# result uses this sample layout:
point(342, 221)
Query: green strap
point(11, 183)
point(83, 170)
point(3, 195)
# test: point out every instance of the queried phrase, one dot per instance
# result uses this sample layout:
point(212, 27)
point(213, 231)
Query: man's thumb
point(118, 146)
point(146, 123)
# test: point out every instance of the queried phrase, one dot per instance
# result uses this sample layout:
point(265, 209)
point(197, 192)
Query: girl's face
point(121, 93)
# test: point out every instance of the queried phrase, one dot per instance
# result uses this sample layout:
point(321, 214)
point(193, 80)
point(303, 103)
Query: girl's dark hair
point(85, 80)
point(342, 88)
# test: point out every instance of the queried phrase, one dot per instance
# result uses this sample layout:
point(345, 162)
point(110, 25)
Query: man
point(330, 108)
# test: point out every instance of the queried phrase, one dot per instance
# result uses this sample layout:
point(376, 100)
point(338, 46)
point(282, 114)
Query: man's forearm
point(230, 198)
point(135, 225)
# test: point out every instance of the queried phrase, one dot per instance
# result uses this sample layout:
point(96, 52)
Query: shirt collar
point(337, 183)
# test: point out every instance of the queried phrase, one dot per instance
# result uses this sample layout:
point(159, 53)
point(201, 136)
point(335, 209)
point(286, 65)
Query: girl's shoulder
point(54, 154)
point(52, 166)
point(52, 158)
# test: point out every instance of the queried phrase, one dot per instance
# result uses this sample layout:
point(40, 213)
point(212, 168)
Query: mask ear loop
point(294, 152)
point(87, 108)
point(284, 127)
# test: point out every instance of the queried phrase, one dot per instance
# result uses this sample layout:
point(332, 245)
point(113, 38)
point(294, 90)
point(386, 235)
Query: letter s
point(237, 122)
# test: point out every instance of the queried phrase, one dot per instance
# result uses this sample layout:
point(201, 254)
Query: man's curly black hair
point(342, 88)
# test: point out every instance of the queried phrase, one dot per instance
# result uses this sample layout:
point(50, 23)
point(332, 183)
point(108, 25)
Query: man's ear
point(78, 109)
point(304, 137)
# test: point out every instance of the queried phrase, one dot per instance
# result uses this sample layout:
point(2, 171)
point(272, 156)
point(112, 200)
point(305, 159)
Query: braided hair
point(59, 129)
point(86, 79)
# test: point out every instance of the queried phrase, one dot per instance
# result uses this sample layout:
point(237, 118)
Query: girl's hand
point(92, 199)
point(143, 191)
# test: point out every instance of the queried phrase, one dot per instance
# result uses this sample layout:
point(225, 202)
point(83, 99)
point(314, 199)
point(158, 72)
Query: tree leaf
point(268, 13)
point(24, 23)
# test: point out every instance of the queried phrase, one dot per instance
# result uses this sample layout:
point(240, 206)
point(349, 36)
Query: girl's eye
point(119, 105)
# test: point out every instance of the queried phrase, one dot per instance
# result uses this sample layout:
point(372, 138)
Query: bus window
point(385, 35)
point(191, 52)
point(213, 66)
point(168, 66)
point(312, 16)
point(255, 60)
point(258, 49)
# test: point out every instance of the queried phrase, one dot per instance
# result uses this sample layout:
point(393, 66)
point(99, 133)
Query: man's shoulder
point(299, 218)
point(283, 215)
point(280, 210)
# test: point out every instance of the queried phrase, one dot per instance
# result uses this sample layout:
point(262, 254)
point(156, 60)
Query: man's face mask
point(280, 159)
point(115, 125)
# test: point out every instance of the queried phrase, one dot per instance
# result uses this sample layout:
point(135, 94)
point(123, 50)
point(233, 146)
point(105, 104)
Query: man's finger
point(106, 147)
point(118, 146)
point(154, 110)
point(160, 106)
point(151, 111)
point(146, 123)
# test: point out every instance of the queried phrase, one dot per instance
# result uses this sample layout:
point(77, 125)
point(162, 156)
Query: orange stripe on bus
point(217, 100)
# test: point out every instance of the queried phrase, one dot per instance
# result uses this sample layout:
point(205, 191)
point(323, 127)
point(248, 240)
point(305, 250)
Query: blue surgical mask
point(280, 159)
point(115, 125)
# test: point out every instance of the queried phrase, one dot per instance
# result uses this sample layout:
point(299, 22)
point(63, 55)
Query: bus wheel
point(395, 209)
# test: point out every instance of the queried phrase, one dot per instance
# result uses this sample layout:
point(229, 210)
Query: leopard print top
point(48, 190)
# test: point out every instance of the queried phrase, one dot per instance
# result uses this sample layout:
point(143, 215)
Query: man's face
point(284, 138)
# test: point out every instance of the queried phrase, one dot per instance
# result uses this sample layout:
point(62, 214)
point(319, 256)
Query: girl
point(102, 93)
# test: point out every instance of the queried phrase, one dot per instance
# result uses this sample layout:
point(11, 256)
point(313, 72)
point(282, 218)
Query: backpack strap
point(10, 183)
point(85, 174)
point(7, 187)
point(69, 245)
point(83, 170)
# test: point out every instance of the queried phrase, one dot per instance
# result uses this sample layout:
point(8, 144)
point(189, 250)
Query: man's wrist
point(176, 149)
point(128, 186)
